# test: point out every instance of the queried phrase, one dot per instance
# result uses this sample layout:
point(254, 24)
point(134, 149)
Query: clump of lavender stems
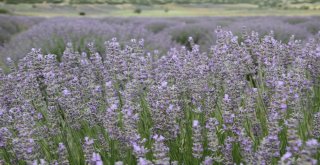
point(251, 102)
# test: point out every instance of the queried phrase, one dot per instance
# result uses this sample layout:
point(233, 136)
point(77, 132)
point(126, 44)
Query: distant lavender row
point(53, 34)
point(251, 102)
point(11, 25)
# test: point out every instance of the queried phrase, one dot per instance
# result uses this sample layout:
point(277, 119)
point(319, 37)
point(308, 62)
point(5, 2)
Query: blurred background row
point(50, 24)
point(159, 8)
point(18, 34)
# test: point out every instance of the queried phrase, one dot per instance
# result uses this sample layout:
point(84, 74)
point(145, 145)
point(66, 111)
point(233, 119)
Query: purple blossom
point(160, 105)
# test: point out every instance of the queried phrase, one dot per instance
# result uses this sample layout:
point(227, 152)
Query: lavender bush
point(11, 25)
point(52, 35)
point(249, 102)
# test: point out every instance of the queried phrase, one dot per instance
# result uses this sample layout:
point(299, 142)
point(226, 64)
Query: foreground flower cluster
point(253, 102)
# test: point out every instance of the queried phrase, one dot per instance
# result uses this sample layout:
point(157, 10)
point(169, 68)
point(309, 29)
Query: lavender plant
point(249, 102)
point(52, 35)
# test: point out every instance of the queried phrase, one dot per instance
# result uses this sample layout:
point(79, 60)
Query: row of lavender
point(254, 102)
point(52, 34)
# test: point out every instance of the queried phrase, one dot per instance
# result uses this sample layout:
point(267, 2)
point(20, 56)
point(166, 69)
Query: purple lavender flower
point(160, 151)
point(197, 139)
point(96, 159)
point(88, 149)
point(241, 85)
point(63, 154)
point(316, 125)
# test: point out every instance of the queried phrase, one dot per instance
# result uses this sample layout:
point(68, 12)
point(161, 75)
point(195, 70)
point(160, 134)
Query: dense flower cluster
point(247, 101)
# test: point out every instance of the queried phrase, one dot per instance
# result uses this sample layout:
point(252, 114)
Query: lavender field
point(161, 91)
point(52, 34)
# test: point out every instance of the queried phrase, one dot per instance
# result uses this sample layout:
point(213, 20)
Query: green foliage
point(269, 3)
point(3, 11)
point(57, 46)
point(162, 1)
point(55, 1)
point(82, 13)
point(137, 10)
point(116, 1)
point(198, 33)
point(23, 1)
point(304, 7)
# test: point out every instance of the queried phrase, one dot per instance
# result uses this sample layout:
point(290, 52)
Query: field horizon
point(166, 10)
